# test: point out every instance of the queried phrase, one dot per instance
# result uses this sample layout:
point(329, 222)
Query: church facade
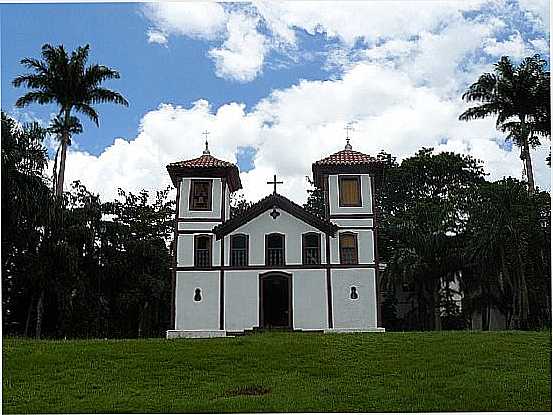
point(275, 265)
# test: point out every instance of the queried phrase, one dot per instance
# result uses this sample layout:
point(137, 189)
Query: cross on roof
point(348, 128)
point(274, 182)
point(206, 133)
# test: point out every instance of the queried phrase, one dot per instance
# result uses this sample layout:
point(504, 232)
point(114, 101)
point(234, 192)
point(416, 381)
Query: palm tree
point(67, 82)
point(59, 128)
point(519, 97)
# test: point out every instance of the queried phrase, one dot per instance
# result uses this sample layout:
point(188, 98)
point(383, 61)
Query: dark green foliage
point(315, 200)
point(423, 205)
point(67, 269)
point(510, 244)
point(440, 221)
point(25, 206)
point(238, 204)
point(282, 372)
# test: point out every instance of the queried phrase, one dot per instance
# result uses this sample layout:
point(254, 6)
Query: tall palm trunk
point(525, 153)
point(65, 142)
point(61, 174)
point(527, 159)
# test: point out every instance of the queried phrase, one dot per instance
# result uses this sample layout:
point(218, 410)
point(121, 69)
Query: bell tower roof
point(206, 166)
point(345, 161)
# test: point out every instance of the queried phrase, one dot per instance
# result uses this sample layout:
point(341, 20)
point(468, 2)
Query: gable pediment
point(279, 202)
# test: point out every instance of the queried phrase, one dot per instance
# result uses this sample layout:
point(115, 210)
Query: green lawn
point(282, 372)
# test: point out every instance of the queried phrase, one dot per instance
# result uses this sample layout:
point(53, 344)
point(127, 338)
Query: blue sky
point(276, 83)
point(150, 74)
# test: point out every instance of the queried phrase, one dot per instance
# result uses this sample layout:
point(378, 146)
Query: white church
point(275, 265)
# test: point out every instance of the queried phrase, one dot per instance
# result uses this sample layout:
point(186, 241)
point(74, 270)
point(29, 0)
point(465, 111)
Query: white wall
point(241, 300)
point(216, 190)
point(348, 313)
point(365, 246)
point(197, 315)
point(366, 196)
point(309, 299)
point(264, 224)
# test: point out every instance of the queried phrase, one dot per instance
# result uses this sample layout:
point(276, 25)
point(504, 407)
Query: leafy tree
point(238, 204)
point(423, 205)
point(509, 247)
point(520, 99)
point(70, 84)
point(138, 261)
point(315, 199)
point(25, 205)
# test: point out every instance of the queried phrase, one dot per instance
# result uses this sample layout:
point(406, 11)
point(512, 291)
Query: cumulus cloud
point(241, 56)
point(244, 46)
point(200, 20)
point(292, 128)
point(155, 36)
point(514, 47)
point(402, 86)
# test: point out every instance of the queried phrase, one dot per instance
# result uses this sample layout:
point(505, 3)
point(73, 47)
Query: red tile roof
point(347, 157)
point(345, 162)
point(205, 160)
point(207, 166)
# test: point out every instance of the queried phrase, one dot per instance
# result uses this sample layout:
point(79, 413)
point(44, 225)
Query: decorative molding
point(352, 216)
point(269, 268)
point(199, 220)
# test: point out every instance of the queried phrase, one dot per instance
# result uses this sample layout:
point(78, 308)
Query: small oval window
point(198, 294)
point(353, 295)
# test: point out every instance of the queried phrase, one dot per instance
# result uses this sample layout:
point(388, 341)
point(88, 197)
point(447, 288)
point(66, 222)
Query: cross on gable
point(274, 182)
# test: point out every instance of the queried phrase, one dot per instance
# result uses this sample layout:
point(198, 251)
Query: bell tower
point(204, 185)
point(347, 179)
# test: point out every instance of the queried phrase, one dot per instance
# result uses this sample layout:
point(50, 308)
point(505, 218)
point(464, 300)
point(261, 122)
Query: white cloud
point(434, 27)
point(199, 19)
point(241, 56)
point(155, 36)
point(513, 47)
point(294, 127)
point(538, 10)
point(403, 88)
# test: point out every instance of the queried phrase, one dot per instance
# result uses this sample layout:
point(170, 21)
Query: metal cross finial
point(274, 182)
point(206, 151)
point(348, 128)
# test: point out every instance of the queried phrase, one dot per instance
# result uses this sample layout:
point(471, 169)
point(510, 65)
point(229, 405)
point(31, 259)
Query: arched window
point(311, 243)
point(274, 249)
point(239, 250)
point(348, 248)
point(202, 251)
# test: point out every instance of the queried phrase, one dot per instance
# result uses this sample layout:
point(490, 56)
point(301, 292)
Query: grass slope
point(294, 372)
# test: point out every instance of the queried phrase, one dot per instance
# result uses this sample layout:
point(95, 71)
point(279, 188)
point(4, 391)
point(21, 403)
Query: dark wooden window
point(239, 250)
point(348, 248)
point(202, 251)
point(200, 195)
point(311, 244)
point(274, 249)
point(350, 191)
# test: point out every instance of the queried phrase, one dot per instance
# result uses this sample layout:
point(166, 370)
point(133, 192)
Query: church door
point(275, 295)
